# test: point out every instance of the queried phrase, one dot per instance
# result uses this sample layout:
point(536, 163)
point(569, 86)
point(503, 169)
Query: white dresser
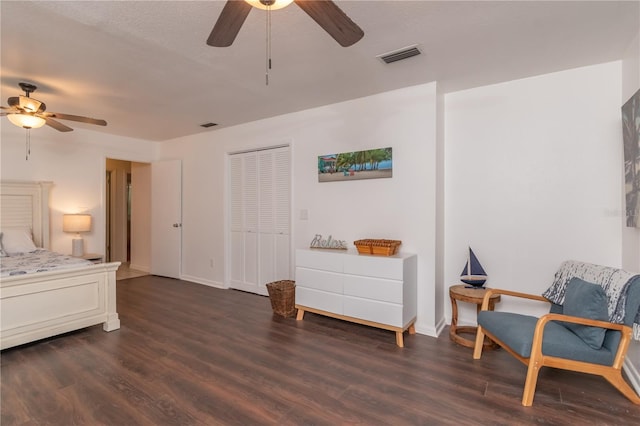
point(379, 291)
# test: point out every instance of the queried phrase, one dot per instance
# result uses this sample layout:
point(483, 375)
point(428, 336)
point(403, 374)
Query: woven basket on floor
point(282, 295)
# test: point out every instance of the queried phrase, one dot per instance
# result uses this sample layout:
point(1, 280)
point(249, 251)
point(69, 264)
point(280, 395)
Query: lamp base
point(78, 247)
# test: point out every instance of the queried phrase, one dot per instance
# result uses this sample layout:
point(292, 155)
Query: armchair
point(576, 335)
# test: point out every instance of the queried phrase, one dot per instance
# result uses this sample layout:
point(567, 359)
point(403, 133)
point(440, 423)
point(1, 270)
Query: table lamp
point(77, 223)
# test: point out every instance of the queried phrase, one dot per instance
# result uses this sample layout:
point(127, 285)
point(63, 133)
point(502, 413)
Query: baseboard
point(427, 331)
point(440, 326)
point(633, 375)
point(203, 281)
point(430, 331)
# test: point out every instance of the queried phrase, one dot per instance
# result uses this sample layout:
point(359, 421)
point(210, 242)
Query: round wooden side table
point(468, 294)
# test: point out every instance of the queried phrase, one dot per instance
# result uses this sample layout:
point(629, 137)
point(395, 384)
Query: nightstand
point(93, 257)
point(464, 293)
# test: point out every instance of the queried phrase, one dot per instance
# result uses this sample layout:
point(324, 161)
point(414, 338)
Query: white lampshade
point(277, 4)
point(27, 121)
point(76, 223)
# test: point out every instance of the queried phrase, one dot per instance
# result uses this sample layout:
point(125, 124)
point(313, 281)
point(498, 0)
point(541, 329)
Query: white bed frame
point(45, 304)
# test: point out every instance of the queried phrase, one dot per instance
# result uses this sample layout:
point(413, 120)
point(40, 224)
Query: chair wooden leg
point(477, 350)
point(531, 382)
point(616, 379)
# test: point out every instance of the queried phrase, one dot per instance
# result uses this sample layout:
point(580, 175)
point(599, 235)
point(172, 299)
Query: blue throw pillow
point(586, 300)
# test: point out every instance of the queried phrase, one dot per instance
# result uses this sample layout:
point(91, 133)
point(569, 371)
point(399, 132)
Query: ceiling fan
point(325, 12)
point(25, 111)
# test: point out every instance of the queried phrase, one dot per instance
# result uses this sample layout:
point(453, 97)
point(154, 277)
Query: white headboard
point(25, 204)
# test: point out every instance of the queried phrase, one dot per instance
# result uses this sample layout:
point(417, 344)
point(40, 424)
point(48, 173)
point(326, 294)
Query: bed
point(36, 305)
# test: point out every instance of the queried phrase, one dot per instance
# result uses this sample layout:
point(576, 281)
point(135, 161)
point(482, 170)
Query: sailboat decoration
point(473, 274)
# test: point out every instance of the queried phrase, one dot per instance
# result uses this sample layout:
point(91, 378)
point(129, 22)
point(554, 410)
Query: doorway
point(128, 205)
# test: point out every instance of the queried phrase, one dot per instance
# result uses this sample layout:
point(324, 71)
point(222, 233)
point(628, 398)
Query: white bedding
point(38, 261)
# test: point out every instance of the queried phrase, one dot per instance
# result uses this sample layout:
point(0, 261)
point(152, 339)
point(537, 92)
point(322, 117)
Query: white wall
point(441, 287)
point(402, 207)
point(75, 163)
point(533, 175)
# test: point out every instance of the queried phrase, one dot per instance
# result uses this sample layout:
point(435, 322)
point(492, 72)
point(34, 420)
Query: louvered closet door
point(260, 218)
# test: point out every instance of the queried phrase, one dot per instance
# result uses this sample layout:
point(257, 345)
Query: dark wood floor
point(190, 354)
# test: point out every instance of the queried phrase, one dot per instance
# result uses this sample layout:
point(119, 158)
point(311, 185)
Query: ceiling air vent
point(207, 125)
point(400, 54)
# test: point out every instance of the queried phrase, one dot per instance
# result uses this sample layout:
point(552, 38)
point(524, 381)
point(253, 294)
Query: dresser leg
point(300, 314)
point(399, 340)
point(412, 328)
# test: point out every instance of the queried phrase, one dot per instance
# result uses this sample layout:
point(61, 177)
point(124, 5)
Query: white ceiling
point(144, 66)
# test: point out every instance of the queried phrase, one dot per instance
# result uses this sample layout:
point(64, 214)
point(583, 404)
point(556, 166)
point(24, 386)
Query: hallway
point(125, 272)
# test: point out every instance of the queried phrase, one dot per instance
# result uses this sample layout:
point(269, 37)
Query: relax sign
point(328, 243)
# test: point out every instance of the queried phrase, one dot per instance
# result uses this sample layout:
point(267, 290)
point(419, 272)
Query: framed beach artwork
point(631, 139)
point(370, 164)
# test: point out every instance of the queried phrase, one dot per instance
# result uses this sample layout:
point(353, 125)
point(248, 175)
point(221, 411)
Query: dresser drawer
point(375, 266)
point(317, 299)
point(319, 259)
point(373, 288)
point(373, 310)
point(319, 280)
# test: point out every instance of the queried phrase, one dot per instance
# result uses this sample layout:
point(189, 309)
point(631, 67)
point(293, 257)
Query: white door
point(244, 222)
point(166, 218)
point(259, 218)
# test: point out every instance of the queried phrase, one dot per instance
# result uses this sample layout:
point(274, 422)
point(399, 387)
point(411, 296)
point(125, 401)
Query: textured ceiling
point(144, 66)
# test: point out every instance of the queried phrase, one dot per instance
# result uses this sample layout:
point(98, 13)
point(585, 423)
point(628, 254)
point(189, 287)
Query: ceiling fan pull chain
point(268, 52)
point(28, 145)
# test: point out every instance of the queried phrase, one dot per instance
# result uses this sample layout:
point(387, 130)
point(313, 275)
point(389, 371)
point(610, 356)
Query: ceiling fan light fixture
point(26, 121)
point(272, 4)
point(29, 104)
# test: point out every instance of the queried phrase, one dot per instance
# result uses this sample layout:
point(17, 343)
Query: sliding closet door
point(260, 222)
point(274, 195)
point(244, 222)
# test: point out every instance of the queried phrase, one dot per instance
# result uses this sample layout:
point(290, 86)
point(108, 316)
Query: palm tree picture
point(631, 138)
point(370, 164)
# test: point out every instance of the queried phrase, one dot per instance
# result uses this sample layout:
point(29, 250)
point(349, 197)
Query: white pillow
point(17, 241)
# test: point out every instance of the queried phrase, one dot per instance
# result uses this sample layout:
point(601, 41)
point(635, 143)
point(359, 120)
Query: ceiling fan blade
point(74, 118)
point(57, 125)
point(333, 20)
point(229, 23)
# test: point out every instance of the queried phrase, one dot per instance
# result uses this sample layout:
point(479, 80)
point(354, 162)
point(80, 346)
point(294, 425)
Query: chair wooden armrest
point(491, 291)
point(626, 331)
point(579, 320)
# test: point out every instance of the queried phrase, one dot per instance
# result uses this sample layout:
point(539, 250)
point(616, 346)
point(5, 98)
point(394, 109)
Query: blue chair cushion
point(516, 331)
point(586, 300)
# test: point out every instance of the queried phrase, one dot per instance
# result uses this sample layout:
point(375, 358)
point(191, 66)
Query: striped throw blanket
point(614, 281)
